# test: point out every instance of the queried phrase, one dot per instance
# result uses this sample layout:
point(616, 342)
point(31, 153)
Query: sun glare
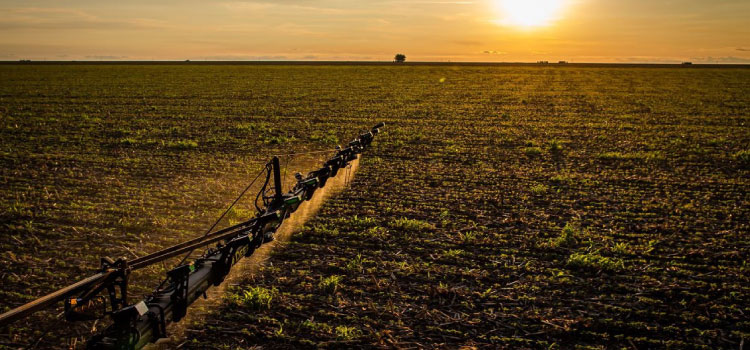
point(529, 13)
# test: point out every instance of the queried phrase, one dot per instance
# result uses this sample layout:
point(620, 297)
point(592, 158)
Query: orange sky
point(425, 30)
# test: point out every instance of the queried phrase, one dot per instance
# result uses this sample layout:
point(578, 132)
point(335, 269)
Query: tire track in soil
point(250, 265)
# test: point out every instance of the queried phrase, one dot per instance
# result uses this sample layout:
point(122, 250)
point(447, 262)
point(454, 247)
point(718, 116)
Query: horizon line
point(371, 62)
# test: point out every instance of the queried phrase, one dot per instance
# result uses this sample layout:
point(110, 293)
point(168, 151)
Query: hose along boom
point(137, 324)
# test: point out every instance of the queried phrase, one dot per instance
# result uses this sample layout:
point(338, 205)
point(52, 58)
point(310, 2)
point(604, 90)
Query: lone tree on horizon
point(400, 58)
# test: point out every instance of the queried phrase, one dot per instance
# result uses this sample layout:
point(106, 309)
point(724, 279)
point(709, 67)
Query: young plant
point(329, 284)
point(568, 236)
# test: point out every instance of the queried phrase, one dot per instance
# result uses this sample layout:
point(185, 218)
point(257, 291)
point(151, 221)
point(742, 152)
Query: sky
point(656, 31)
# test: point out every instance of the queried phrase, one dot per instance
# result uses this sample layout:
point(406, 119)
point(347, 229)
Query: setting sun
point(529, 13)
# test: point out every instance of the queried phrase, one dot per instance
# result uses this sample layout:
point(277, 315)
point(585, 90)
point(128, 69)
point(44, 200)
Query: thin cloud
point(299, 6)
point(445, 2)
point(722, 60)
point(105, 57)
point(647, 59)
point(467, 42)
point(68, 18)
point(46, 12)
point(247, 58)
